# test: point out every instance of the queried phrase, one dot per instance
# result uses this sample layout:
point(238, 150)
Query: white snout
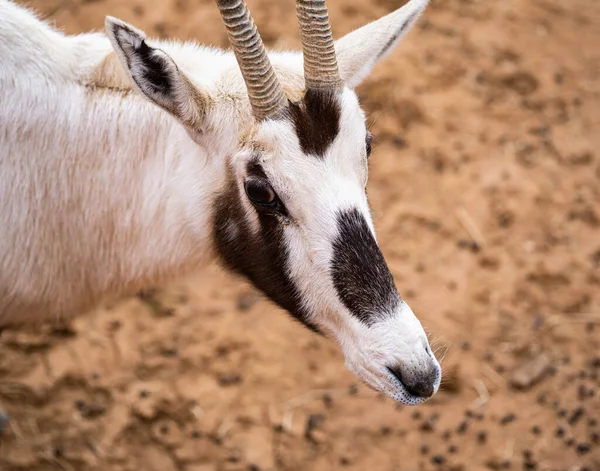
point(393, 356)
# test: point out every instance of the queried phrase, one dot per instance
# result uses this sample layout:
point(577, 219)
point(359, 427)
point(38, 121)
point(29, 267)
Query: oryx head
point(292, 214)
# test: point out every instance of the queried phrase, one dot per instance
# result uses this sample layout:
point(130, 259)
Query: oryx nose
point(418, 380)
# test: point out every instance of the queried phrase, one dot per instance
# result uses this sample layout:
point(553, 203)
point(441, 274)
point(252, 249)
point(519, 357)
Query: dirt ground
point(485, 188)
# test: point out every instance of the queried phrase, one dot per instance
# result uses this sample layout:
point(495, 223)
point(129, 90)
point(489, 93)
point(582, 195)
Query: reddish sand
point(488, 117)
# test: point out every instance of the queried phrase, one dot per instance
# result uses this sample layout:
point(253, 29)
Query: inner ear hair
point(156, 75)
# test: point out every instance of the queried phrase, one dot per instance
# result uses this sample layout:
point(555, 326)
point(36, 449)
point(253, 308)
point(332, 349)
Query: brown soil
point(486, 116)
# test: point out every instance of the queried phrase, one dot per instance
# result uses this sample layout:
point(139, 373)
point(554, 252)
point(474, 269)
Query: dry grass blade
point(470, 227)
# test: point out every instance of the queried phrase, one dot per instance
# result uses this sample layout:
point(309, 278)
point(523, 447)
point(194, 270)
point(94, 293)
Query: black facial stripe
point(360, 275)
point(317, 120)
point(260, 257)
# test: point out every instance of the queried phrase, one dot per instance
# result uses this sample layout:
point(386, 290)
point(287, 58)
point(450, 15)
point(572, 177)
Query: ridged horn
point(320, 63)
point(264, 90)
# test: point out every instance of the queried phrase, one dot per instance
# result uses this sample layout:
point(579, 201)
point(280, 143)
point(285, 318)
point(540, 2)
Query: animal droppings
point(529, 287)
point(327, 400)
point(583, 448)
point(508, 418)
point(229, 379)
point(462, 427)
point(576, 416)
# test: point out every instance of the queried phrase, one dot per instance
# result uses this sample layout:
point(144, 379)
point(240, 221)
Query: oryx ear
point(156, 75)
point(359, 50)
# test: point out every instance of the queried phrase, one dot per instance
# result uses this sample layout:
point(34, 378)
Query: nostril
point(418, 387)
point(397, 373)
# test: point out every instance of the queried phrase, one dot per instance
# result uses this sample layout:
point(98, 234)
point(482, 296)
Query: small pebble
point(438, 459)
point(424, 449)
point(560, 432)
point(482, 436)
point(536, 430)
point(452, 449)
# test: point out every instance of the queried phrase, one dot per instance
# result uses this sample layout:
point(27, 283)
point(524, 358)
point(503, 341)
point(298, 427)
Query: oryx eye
point(260, 192)
point(369, 142)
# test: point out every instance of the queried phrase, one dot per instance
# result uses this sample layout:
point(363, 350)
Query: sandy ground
point(484, 183)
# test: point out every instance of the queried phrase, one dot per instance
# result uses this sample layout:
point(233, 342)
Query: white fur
point(357, 53)
point(104, 193)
